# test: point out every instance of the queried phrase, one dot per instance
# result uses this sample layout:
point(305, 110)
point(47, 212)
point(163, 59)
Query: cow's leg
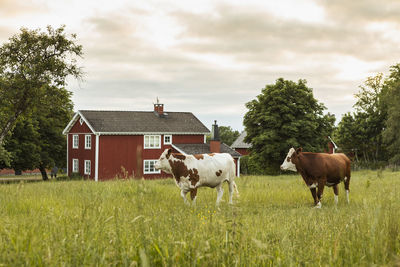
point(193, 195)
point(231, 186)
point(183, 195)
point(336, 192)
point(235, 187)
point(321, 186)
point(220, 193)
point(314, 194)
point(347, 186)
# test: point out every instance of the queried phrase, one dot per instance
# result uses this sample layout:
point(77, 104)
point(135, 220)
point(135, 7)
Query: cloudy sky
point(210, 57)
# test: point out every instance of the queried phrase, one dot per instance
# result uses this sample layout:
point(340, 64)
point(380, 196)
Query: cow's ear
point(299, 150)
point(169, 152)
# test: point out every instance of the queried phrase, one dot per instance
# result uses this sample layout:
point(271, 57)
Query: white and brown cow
point(318, 170)
point(194, 171)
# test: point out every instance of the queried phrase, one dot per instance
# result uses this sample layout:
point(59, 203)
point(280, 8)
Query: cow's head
point(289, 163)
point(163, 162)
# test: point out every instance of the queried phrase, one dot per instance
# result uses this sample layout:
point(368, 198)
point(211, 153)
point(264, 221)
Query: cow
point(318, 170)
point(193, 171)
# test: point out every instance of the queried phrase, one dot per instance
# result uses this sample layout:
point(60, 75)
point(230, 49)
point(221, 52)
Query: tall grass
point(136, 222)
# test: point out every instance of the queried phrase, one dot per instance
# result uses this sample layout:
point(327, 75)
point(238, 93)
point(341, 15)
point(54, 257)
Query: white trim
point(179, 150)
point(84, 167)
point(238, 167)
point(71, 123)
point(74, 119)
point(73, 141)
point(170, 139)
point(96, 163)
point(155, 136)
point(205, 138)
point(67, 156)
point(86, 136)
point(150, 172)
point(334, 145)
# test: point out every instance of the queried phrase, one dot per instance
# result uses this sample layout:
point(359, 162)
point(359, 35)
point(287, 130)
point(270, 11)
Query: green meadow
point(146, 223)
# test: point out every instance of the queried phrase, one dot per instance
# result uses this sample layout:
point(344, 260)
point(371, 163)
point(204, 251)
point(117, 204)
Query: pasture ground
point(145, 223)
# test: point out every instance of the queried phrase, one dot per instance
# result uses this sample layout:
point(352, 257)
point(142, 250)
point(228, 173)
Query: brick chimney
point(215, 143)
point(159, 108)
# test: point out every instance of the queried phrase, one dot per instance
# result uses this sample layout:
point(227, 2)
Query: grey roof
point(205, 148)
point(143, 122)
point(239, 142)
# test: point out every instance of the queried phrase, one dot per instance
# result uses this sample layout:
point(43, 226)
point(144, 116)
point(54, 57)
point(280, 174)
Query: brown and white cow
point(318, 170)
point(194, 171)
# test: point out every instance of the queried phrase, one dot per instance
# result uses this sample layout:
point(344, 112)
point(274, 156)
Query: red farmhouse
point(103, 145)
point(240, 145)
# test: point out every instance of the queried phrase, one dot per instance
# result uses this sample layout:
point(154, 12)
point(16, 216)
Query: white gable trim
point(74, 120)
point(178, 149)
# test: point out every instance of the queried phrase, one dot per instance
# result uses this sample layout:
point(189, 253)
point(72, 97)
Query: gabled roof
point(239, 142)
point(139, 122)
point(192, 149)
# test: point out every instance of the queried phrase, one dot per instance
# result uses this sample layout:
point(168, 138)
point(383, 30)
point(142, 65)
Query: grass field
point(145, 223)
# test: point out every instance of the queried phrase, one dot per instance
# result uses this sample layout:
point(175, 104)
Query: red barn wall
point(81, 153)
point(243, 151)
point(118, 153)
point(188, 139)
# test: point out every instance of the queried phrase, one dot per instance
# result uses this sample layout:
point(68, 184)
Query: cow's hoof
point(318, 206)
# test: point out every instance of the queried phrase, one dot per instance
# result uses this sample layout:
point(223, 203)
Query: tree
point(31, 63)
point(285, 115)
point(23, 145)
point(391, 134)
point(37, 140)
point(227, 134)
point(361, 131)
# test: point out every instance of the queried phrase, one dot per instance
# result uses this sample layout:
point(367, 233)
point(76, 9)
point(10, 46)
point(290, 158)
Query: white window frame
point(150, 141)
point(87, 167)
point(75, 137)
point(81, 121)
point(148, 170)
point(170, 139)
point(75, 165)
point(88, 141)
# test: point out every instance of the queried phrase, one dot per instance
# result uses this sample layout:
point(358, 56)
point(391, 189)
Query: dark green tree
point(227, 134)
point(392, 98)
point(31, 62)
point(23, 145)
point(361, 132)
point(285, 115)
point(37, 140)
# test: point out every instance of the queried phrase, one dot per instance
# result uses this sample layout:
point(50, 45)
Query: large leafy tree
point(37, 140)
point(31, 63)
point(361, 132)
point(23, 145)
point(392, 98)
point(285, 115)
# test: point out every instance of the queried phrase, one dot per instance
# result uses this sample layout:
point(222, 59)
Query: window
point(152, 141)
point(167, 139)
point(75, 141)
point(81, 121)
point(75, 165)
point(88, 141)
point(149, 167)
point(87, 167)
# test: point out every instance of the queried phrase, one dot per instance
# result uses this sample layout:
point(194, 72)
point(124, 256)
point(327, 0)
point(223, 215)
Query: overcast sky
point(210, 57)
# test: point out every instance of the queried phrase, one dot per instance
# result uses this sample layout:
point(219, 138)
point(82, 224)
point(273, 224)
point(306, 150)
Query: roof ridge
point(143, 111)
